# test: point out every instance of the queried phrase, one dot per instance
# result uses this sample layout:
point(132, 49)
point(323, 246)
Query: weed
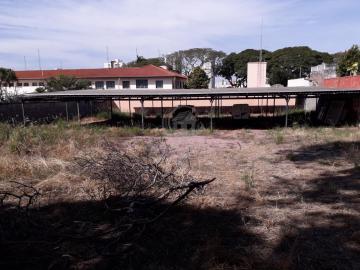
point(248, 178)
point(278, 135)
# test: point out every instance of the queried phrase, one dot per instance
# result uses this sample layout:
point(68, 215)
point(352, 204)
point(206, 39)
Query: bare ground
point(294, 194)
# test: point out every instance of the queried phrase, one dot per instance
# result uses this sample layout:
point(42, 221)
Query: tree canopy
point(197, 79)
point(63, 83)
point(294, 62)
point(234, 66)
point(349, 62)
point(185, 61)
point(142, 61)
point(283, 64)
point(7, 76)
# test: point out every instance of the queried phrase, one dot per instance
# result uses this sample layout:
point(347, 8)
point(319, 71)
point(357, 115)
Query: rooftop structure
point(256, 74)
point(116, 63)
point(150, 77)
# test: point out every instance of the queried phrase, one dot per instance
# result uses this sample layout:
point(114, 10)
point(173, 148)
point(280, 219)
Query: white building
point(321, 72)
point(147, 77)
point(301, 82)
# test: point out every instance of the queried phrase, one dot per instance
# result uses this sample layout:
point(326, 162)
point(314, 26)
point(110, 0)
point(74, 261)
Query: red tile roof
point(133, 72)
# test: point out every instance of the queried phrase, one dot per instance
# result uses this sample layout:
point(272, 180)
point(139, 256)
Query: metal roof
point(226, 93)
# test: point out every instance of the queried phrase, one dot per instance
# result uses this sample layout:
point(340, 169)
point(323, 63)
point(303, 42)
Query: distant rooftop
point(131, 72)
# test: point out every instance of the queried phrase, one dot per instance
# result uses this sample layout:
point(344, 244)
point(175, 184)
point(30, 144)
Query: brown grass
point(285, 198)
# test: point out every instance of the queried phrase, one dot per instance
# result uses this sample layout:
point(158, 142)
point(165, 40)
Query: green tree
point(234, 66)
point(7, 76)
point(63, 83)
point(349, 62)
point(197, 79)
point(294, 62)
point(142, 61)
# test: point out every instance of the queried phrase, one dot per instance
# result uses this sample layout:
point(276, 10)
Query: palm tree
point(7, 76)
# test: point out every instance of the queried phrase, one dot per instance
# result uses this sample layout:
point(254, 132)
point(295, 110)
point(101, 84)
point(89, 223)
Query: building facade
point(147, 77)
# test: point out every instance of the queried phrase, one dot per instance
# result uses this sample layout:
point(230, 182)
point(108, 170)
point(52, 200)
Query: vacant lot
point(282, 199)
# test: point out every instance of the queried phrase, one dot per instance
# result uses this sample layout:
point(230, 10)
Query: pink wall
point(343, 82)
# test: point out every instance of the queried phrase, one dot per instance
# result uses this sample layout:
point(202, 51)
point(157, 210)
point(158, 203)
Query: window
point(159, 84)
point(19, 84)
point(26, 84)
point(11, 84)
point(99, 85)
point(141, 83)
point(41, 84)
point(34, 84)
point(126, 84)
point(110, 84)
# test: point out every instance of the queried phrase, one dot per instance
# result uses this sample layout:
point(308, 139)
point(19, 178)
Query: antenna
point(261, 40)
point(107, 54)
point(39, 59)
point(25, 64)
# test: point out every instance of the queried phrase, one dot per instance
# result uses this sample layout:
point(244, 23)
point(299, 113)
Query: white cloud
point(77, 32)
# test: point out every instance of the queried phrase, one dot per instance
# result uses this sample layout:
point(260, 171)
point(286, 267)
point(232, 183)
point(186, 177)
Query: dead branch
point(23, 194)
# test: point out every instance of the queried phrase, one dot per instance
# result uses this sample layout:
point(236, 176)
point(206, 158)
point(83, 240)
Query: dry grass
point(285, 199)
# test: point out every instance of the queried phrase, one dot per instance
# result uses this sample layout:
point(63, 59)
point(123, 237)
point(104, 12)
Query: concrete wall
point(299, 83)
point(256, 74)
point(343, 82)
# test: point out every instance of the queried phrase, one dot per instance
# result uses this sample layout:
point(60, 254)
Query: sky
point(76, 33)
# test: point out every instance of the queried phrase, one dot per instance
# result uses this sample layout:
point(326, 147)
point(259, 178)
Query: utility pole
point(39, 59)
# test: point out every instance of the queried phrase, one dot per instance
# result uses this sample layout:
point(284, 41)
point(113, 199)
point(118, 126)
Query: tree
point(234, 66)
point(294, 62)
point(349, 62)
point(7, 76)
point(63, 83)
point(197, 79)
point(185, 61)
point(142, 61)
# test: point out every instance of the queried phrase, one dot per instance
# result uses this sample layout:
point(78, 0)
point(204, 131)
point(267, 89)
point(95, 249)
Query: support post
point(130, 114)
point(162, 113)
point(274, 107)
point(67, 112)
point(267, 105)
point(111, 109)
point(23, 112)
point(287, 111)
point(211, 114)
point(142, 114)
point(78, 110)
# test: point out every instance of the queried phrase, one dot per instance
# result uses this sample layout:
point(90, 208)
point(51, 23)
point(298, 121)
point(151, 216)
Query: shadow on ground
point(58, 237)
point(325, 230)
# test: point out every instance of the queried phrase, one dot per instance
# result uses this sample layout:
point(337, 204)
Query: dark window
point(159, 84)
point(26, 84)
point(110, 84)
point(34, 84)
point(141, 83)
point(41, 84)
point(126, 84)
point(11, 84)
point(19, 84)
point(99, 85)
